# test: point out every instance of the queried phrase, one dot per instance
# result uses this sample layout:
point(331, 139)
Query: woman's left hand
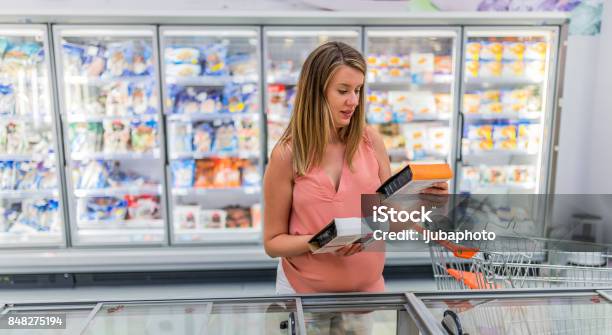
point(440, 188)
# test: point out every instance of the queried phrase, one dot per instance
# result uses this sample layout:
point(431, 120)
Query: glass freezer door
point(285, 50)
point(212, 105)
point(31, 210)
point(111, 117)
point(507, 107)
point(410, 87)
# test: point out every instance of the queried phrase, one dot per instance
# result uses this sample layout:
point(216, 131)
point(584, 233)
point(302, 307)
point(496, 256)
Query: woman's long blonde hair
point(311, 122)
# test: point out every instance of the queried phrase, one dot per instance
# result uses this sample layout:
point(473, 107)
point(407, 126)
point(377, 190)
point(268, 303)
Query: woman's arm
point(278, 196)
point(384, 165)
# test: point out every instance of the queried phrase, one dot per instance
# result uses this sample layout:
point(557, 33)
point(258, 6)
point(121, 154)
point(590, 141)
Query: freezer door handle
point(460, 141)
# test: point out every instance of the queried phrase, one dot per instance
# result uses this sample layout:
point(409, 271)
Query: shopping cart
point(517, 262)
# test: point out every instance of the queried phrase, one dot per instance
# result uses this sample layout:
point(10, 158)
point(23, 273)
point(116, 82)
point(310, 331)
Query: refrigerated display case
point(108, 84)
point(31, 206)
point(411, 85)
point(285, 50)
point(507, 109)
point(211, 79)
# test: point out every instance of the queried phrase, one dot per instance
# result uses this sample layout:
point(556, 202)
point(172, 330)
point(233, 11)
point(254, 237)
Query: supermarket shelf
point(77, 156)
point(26, 157)
point(11, 240)
point(493, 116)
point(439, 79)
point(96, 81)
point(217, 235)
point(85, 117)
point(120, 224)
point(278, 118)
point(483, 81)
point(503, 188)
point(429, 157)
point(116, 237)
point(116, 191)
point(25, 194)
point(287, 81)
point(419, 118)
point(192, 191)
point(199, 155)
point(25, 118)
point(211, 80)
point(498, 154)
point(210, 116)
point(213, 257)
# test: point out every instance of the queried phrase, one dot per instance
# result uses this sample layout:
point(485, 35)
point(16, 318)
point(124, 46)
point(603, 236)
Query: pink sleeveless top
point(315, 204)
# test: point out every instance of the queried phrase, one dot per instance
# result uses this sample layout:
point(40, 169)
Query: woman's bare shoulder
point(281, 159)
point(375, 139)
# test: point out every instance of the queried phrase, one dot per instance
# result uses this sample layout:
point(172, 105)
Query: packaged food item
point(472, 68)
point(205, 173)
point(101, 209)
point(400, 104)
point(490, 69)
point(513, 69)
point(492, 108)
point(470, 178)
point(256, 215)
point(379, 114)
point(227, 172)
point(444, 103)
point(203, 138)
point(514, 51)
point(86, 137)
point(416, 140)
point(243, 66)
point(422, 67)
point(143, 207)
point(238, 217)
point(248, 136)
point(471, 102)
point(117, 98)
point(250, 174)
point(277, 95)
point(90, 175)
point(438, 140)
point(8, 176)
point(27, 176)
point(235, 97)
point(226, 139)
point(116, 136)
point(443, 65)
point(491, 51)
point(183, 70)
point(423, 103)
point(181, 137)
point(186, 217)
point(142, 98)
point(212, 218)
point(536, 50)
point(507, 144)
point(374, 60)
point(494, 175)
point(16, 141)
point(117, 62)
point(472, 50)
point(144, 135)
point(480, 132)
point(503, 132)
point(490, 96)
point(181, 55)
point(480, 145)
point(520, 174)
point(529, 137)
point(215, 59)
point(7, 99)
point(183, 172)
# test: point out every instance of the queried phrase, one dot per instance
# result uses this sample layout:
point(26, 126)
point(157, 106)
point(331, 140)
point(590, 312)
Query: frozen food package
point(203, 137)
point(472, 68)
point(400, 104)
point(423, 103)
point(416, 140)
point(472, 50)
point(186, 217)
point(444, 103)
point(471, 102)
point(504, 132)
point(535, 69)
point(506, 144)
point(215, 59)
point(277, 100)
point(86, 137)
point(183, 172)
point(470, 178)
point(422, 67)
point(438, 140)
point(238, 217)
point(491, 108)
point(443, 65)
point(494, 175)
point(536, 50)
point(243, 66)
point(250, 174)
point(144, 134)
point(480, 145)
point(521, 174)
point(514, 51)
point(248, 136)
point(480, 132)
point(116, 136)
point(205, 170)
point(117, 98)
point(212, 219)
point(227, 172)
point(181, 55)
point(16, 141)
point(490, 68)
point(226, 137)
point(491, 51)
point(513, 69)
point(143, 207)
point(183, 70)
point(181, 137)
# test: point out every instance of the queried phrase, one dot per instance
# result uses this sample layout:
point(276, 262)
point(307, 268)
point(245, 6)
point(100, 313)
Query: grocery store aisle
point(174, 291)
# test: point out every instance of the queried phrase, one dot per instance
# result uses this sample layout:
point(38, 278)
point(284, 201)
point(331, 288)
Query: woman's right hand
point(349, 250)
